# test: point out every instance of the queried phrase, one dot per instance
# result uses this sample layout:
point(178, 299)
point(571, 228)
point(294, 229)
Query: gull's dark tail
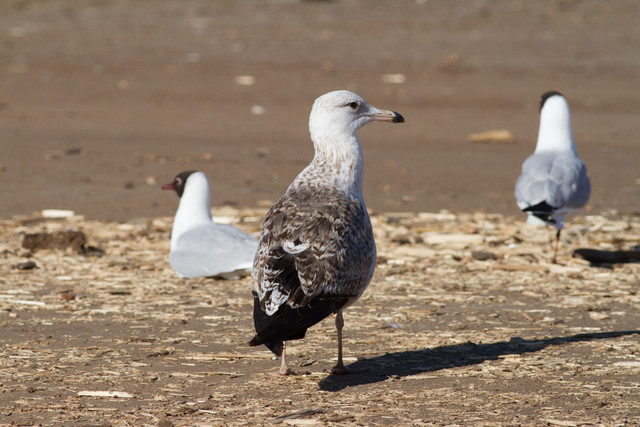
point(288, 323)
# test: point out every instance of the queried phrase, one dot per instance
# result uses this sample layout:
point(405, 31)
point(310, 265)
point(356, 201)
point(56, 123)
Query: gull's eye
point(353, 105)
point(179, 181)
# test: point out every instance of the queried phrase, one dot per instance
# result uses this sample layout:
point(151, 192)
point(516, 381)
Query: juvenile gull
point(554, 180)
point(317, 254)
point(199, 246)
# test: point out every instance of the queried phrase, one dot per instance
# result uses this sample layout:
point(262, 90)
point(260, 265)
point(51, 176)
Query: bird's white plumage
point(554, 180)
point(199, 246)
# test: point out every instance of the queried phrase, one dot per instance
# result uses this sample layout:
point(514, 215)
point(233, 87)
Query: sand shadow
point(407, 363)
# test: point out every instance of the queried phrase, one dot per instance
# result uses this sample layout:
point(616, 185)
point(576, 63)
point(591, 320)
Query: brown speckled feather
point(316, 253)
point(313, 243)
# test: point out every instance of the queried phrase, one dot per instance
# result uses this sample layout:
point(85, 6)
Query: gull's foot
point(283, 372)
point(343, 370)
point(340, 370)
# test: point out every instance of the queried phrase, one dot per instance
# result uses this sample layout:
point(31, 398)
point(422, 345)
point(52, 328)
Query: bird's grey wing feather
point(212, 249)
point(559, 179)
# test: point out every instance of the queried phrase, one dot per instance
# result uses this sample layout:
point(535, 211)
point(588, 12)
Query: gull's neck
point(337, 165)
point(194, 208)
point(555, 133)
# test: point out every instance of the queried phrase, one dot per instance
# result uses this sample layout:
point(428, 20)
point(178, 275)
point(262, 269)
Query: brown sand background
point(102, 102)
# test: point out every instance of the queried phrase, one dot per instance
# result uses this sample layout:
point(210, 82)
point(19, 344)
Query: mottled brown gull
point(554, 180)
point(316, 254)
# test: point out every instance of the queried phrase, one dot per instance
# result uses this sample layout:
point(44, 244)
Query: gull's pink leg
point(339, 368)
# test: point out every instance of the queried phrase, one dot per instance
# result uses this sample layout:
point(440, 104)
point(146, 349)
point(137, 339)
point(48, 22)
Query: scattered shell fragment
point(451, 238)
point(258, 110)
point(562, 423)
point(491, 136)
point(244, 80)
point(394, 78)
point(119, 394)
point(57, 213)
point(597, 315)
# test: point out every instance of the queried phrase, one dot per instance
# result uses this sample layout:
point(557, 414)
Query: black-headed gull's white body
point(554, 180)
point(199, 246)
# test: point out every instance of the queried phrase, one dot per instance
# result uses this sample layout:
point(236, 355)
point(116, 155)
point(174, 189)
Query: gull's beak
point(386, 116)
point(168, 186)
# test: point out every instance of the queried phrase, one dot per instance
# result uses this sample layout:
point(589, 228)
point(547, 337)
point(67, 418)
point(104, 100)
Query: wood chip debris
point(118, 394)
point(466, 322)
point(492, 136)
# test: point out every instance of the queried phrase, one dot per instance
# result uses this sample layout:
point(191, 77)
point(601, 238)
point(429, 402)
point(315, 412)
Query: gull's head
point(555, 123)
point(183, 179)
point(342, 113)
point(554, 104)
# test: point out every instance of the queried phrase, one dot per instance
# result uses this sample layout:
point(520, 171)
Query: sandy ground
point(439, 338)
point(101, 104)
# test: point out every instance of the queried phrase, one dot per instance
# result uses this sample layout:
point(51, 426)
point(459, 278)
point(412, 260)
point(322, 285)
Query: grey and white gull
point(199, 246)
point(317, 254)
point(554, 180)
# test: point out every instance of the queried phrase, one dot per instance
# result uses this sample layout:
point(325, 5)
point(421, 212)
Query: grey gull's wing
point(212, 249)
point(559, 179)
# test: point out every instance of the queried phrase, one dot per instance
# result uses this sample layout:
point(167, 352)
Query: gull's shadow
point(598, 257)
point(406, 363)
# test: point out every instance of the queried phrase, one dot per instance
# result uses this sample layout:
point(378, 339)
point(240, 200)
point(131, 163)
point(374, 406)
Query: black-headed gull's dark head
point(178, 182)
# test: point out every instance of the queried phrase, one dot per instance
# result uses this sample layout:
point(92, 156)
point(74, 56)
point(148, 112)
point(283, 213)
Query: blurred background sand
point(103, 102)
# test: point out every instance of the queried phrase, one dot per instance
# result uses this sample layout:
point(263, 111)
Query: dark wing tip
point(275, 346)
point(542, 210)
point(548, 94)
point(542, 207)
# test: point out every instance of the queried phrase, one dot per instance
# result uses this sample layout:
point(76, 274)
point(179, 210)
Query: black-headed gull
point(199, 246)
point(554, 180)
